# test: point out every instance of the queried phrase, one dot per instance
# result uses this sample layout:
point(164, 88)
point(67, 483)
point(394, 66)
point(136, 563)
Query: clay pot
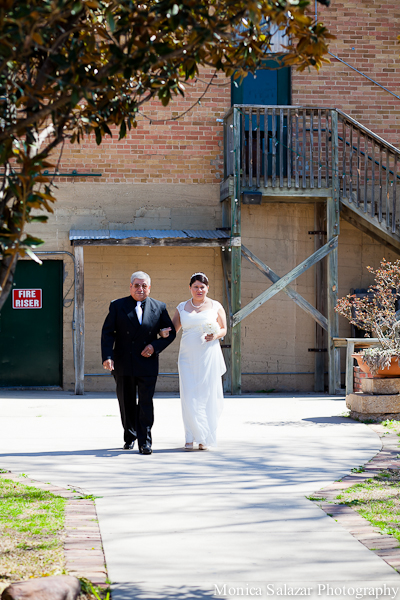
point(392, 371)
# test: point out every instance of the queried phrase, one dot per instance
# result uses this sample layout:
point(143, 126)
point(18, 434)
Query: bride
point(200, 363)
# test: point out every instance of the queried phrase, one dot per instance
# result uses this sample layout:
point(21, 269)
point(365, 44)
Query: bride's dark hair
point(198, 277)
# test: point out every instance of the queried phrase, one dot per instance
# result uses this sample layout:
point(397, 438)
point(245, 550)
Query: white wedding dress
point(201, 366)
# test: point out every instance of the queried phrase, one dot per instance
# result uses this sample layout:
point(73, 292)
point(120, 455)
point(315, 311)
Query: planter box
point(375, 407)
point(378, 400)
point(392, 371)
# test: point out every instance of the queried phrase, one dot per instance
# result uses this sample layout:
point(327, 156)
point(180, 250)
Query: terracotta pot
point(392, 371)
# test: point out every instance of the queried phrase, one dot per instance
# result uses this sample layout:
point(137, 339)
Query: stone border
point(385, 546)
point(83, 549)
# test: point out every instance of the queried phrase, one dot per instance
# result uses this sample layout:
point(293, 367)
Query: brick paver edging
point(83, 549)
point(385, 546)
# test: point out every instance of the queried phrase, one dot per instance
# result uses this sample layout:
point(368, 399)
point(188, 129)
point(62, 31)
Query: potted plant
point(377, 316)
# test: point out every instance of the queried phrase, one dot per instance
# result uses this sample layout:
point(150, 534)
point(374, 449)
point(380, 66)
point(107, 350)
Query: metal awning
point(152, 237)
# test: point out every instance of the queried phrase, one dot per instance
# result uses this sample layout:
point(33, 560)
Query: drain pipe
point(51, 252)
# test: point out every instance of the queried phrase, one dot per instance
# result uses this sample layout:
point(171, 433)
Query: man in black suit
point(130, 349)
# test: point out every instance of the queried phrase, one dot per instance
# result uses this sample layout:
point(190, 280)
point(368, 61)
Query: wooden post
point(349, 367)
point(332, 226)
point(227, 342)
point(79, 324)
point(226, 270)
point(320, 339)
point(236, 258)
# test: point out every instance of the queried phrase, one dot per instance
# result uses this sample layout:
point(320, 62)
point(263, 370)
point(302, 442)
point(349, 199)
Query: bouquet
point(211, 328)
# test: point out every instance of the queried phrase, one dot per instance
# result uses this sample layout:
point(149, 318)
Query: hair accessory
point(204, 275)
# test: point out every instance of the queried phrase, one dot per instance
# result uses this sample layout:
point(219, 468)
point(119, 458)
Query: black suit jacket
point(123, 338)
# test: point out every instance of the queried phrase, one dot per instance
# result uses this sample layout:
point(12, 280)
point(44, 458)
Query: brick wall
point(166, 175)
point(187, 150)
point(366, 33)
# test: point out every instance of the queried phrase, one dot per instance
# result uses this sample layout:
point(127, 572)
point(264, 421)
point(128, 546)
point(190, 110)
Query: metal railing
point(281, 146)
point(369, 172)
point(291, 147)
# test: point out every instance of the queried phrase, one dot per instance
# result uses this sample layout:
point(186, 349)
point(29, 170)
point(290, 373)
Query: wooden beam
point(349, 367)
point(236, 257)
point(296, 297)
point(284, 199)
point(226, 189)
point(284, 281)
point(279, 194)
point(227, 342)
point(320, 338)
point(332, 227)
point(369, 225)
point(79, 324)
point(226, 265)
point(227, 287)
point(292, 194)
point(339, 342)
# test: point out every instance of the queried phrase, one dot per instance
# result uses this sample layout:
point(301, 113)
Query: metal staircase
point(304, 154)
point(369, 182)
point(302, 151)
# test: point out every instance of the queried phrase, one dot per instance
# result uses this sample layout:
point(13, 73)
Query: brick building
point(170, 174)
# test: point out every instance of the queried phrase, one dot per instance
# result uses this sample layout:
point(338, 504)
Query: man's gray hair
point(140, 275)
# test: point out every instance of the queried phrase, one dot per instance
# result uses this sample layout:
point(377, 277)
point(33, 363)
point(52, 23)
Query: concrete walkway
point(233, 521)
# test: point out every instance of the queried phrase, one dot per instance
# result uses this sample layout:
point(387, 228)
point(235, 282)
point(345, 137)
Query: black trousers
point(135, 397)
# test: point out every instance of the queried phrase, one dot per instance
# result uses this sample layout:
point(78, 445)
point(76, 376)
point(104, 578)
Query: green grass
point(359, 469)
point(316, 499)
point(31, 532)
point(32, 536)
point(378, 500)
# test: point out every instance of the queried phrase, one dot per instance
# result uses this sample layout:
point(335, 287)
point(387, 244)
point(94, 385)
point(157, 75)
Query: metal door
point(268, 88)
point(31, 327)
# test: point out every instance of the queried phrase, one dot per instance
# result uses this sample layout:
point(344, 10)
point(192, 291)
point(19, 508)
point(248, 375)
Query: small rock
point(60, 587)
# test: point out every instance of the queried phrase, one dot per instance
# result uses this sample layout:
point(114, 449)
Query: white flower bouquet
point(211, 328)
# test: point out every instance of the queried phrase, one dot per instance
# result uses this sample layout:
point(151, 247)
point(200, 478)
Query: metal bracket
point(317, 233)
point(236, 241)
point(318, 350)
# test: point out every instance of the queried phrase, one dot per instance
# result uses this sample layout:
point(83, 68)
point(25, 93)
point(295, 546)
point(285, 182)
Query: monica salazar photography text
point(318, 590)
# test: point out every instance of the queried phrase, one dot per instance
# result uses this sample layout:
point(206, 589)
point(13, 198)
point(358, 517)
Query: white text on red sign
point(27, 298)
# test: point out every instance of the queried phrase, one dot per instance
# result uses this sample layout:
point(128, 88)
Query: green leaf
point(98, 136)
point(122, 130)
point(32, 241)
point(76, 8)
point(75, 97)
point(106, 129)
point(38, 219)
point(110, 21)
point(33, 256)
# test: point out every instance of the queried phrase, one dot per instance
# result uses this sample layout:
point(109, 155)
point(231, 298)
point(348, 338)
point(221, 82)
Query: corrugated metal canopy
point(123, 234)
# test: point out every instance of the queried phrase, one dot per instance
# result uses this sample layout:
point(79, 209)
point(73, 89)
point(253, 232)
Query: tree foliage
point(376, 314)
point(70, 68)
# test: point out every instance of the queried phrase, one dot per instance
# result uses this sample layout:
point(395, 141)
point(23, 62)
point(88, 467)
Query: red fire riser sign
point(27, 298)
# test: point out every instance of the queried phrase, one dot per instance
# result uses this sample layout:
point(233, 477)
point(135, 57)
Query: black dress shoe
point(129, 445)
point(145, 449)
